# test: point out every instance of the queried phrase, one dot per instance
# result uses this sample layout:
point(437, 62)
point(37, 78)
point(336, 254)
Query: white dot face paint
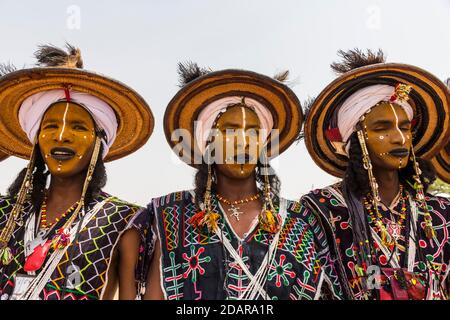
point(64, 123)
point(396, 123)
point(381, 137)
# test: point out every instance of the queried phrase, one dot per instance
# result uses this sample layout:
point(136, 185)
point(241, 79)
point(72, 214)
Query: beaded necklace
point(44, 223)
point(369, 249)
point(234, 209)
point(380, 223)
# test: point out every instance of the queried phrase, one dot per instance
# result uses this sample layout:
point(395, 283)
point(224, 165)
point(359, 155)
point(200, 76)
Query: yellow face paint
point(387, 149)
point(66, 139)
point(235, 124)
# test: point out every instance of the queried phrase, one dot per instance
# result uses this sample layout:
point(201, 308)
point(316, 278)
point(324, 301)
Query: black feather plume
point(356, 58)
point(52, 56)
point(282, 76)
point(189, 71)
point(306, 106)
point(6, 68)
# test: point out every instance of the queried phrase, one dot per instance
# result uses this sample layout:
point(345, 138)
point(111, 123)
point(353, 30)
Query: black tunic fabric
point(196, 265)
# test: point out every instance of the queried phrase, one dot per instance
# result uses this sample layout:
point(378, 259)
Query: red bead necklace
point(44, 223)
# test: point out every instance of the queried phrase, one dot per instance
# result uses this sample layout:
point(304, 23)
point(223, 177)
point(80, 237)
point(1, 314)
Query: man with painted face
point(61, 236)
point(374, 127)
point(233, 236)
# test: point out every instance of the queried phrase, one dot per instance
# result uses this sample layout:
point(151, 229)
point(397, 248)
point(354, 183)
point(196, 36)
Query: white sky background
point(141, 42)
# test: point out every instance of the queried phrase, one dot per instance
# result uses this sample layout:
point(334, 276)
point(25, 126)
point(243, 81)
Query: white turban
point(361, 102)
point(208, 115)
point(34, 107)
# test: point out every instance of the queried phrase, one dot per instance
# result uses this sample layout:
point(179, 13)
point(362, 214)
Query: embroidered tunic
point(85, 275)
point(196, 265)
point(426, 257)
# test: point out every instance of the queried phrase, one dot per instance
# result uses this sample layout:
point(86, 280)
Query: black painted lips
point(400, 152)
point(62, 153)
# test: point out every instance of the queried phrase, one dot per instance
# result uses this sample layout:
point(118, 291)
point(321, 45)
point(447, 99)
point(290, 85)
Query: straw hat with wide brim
point(193, 97)
point(429, 98)
point(134, 115)
point(441, 164)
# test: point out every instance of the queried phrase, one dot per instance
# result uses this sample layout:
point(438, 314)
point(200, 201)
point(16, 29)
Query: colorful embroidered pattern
point(195, 264)
point(302, 290)
point(237, 277)
point(281, 271)
point(328, 204)
point(174, 275)
point(84, 273)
